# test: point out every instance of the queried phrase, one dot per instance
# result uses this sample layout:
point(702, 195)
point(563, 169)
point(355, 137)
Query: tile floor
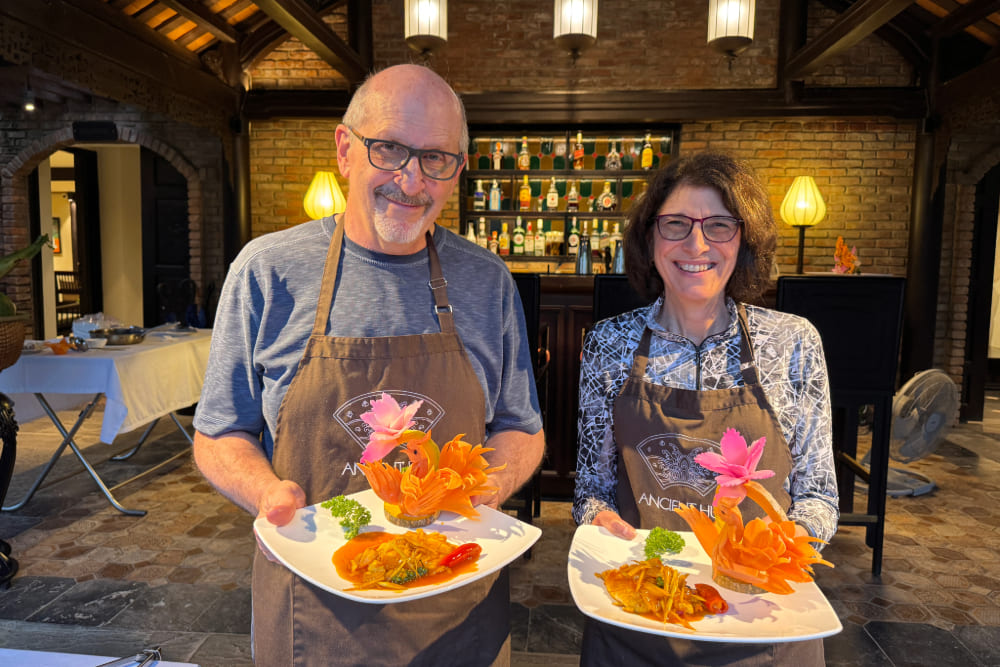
point(95, 581)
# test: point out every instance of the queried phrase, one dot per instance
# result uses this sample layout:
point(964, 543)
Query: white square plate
point(306, 545)
point(751, 618)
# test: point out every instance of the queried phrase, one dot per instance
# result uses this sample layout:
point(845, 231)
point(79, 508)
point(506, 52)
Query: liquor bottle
point(646, 161)
point(578, 151)
point(584, 260)
point(495, 196)
point(504, 240)
point(494, 244)
point(572, 198)
point(524, 195)
point(604, 240)
point(573, 240)
point(552, 196)
point(479, 197)
point(517, 240)
point(591, 203)
point(607, 259)
point(607, 201)
point(482, 237)
point(470, 232)
point(524, 158)
point(540, 239)
point(613, 161)
point(541, 203)
point(529, 240)
point(498, 155)
point(616, 238)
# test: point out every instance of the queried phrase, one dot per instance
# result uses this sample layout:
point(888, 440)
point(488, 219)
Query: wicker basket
point(11, 340)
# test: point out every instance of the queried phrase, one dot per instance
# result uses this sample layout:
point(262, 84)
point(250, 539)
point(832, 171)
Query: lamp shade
point(324, 197)
point(575, 24)
point(730, 25)
point(803, 206)
point(426, 24)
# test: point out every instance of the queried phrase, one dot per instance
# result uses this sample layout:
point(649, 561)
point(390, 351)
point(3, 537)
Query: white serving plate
point(306, 545)
point(751, 618)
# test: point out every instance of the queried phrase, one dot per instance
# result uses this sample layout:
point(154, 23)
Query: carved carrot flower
point(736, 466)
point(388, 422)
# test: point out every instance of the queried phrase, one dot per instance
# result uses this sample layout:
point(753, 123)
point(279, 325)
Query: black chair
point(528, 501)
point(68, 294)
point(613, 295)
point(860, 320)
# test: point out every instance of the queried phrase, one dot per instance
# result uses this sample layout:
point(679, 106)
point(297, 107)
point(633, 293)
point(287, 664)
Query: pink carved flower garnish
point(736, 466)
point(388, 422)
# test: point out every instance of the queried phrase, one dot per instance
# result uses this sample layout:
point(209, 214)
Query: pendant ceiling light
point(324, 197)
point(803, 207)
point(426, 25)
point(575, 25)
point(730, 25)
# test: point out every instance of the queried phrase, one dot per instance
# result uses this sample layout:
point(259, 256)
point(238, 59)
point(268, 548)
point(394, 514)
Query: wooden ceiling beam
point(203, 17)
point(963, 16)
point(298, 18)
point(628, 107)
point(122, 43)
point(859, 20)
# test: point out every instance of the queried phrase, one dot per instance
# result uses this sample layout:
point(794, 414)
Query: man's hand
point(279, 502)
point(616, 525)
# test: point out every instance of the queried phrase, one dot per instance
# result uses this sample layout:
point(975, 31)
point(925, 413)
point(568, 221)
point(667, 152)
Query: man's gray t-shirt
point(268, 305)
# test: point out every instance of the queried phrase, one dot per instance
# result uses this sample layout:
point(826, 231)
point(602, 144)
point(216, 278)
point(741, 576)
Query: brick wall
point(195, 152)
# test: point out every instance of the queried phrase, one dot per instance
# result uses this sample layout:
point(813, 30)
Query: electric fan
point(923, 411)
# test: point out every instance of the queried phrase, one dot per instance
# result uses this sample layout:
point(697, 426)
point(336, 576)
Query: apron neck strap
point(747, 366)
point(439, 288)
point(332, 264)
point(437, 284)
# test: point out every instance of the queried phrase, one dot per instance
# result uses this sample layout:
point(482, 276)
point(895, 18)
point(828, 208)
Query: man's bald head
point(387, 88)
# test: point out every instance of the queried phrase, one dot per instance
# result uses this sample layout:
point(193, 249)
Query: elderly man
point(325, 316)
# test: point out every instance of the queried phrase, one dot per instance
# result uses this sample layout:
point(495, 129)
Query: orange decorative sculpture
point(763, 555)
point(437, 479)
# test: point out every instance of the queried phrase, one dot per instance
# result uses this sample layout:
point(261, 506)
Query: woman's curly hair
point(745, 198)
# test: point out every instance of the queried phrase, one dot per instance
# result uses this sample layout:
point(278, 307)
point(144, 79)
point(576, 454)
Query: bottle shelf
point(545, 148)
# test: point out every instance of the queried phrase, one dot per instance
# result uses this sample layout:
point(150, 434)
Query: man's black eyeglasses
point(391, 156)
point(715, 228)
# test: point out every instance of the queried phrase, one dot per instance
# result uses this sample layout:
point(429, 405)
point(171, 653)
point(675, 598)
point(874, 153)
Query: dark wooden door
point(86, 232)
point(977, 342)
point(165, 244)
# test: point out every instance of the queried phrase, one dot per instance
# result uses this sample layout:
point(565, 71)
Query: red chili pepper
point(713, 601)
point(462, 554)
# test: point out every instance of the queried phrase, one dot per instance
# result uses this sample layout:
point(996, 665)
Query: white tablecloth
point(15, 658)
point(141, 382)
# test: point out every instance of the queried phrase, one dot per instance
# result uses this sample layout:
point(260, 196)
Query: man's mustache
point(400, 197)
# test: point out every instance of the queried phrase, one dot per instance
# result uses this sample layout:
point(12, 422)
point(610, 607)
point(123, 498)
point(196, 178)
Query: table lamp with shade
point(802, 207)
point(324, 196)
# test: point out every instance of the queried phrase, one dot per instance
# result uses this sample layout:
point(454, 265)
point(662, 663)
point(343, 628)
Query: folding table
point(140, 383)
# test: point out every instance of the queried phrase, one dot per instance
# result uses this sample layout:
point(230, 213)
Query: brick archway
point(14, 213)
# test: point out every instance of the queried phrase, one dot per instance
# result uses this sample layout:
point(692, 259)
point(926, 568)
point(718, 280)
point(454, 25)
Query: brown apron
point(318, 441)
point(659, 430)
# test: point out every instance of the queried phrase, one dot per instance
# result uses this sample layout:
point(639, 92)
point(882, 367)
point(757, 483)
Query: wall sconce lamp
point(803, 207)
point(426, 25)
point(575, 25)
point(730, 26)
point(324, 197)
point(29, 100)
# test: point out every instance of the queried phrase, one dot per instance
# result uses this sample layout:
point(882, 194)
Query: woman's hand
point(616, 525)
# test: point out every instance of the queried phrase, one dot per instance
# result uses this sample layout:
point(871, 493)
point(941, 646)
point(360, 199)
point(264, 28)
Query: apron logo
point(670, 459)
point(349, 414)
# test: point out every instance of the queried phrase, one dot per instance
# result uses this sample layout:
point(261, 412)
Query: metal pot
point(121, 335)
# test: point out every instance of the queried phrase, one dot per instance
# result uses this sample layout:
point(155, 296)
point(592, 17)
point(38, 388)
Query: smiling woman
point(660, 383)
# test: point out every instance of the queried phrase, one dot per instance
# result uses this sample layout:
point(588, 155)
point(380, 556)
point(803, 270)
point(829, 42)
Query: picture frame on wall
point(56, 243)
